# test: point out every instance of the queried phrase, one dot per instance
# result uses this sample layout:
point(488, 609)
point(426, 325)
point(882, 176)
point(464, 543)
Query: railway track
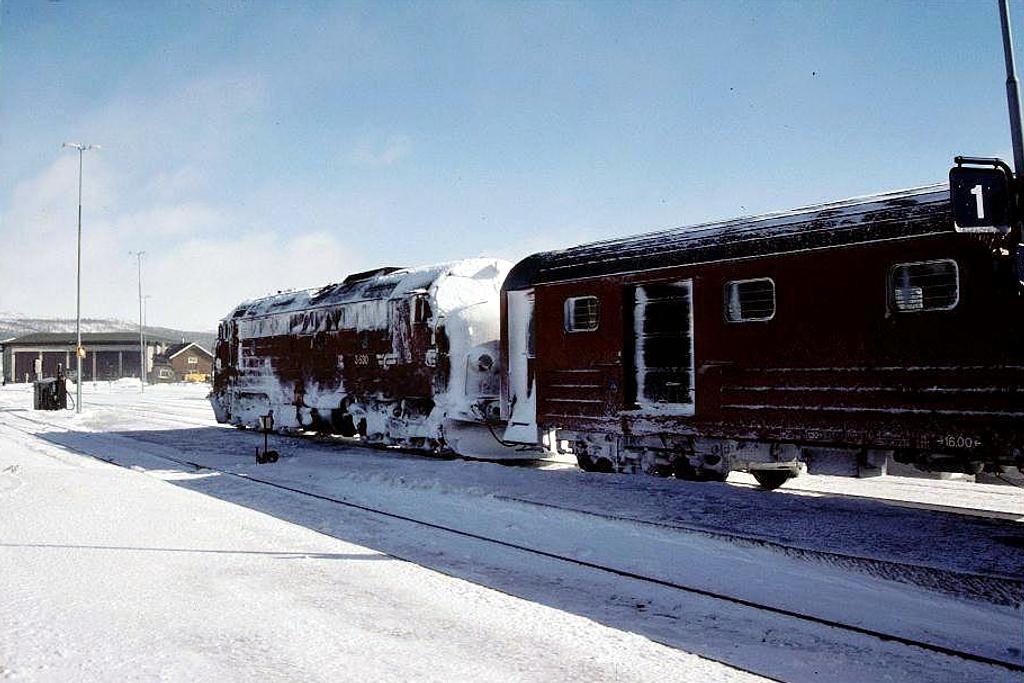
point(891, 638)
point(198, 419)
point(995, 588)
point(790, 488)
point(201, 415)
point(900, 502)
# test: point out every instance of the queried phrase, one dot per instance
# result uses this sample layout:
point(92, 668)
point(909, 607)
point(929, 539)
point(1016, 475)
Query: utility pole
point(142, 334)
point(1012, 94)
point(79, 351)
point(145, 319)
point(1013, 104)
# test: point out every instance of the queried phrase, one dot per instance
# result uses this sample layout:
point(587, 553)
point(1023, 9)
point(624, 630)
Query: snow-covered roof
point(885, 216)
point(93, 338)
point(176, 349)
point(382, 283)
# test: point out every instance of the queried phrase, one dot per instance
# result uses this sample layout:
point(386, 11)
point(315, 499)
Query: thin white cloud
point(191, 120)
point(386, 151)
point(170, 184)
point(198, 264)
point(171, 220)
point(147, 189)
point(198, 281)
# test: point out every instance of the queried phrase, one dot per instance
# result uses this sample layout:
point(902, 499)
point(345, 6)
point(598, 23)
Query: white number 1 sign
point(979, 200)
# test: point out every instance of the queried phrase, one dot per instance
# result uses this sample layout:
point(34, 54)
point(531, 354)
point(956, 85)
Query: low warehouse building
point(108, 355)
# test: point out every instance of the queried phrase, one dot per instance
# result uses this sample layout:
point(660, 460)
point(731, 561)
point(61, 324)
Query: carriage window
point(582, 314)
point(924, 286)
point(750, 300)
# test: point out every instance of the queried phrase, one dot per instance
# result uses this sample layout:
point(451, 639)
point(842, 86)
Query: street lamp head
point(79, 146)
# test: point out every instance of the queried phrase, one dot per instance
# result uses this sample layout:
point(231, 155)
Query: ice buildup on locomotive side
point(398, 356)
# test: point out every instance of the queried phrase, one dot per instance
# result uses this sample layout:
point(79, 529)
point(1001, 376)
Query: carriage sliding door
point(662, 342)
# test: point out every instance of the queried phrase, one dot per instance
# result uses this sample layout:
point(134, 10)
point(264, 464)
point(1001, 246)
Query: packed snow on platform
point(107, 574)
point(508, 503)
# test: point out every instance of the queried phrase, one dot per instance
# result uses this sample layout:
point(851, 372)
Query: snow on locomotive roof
point(382, 283)
point(890, 215)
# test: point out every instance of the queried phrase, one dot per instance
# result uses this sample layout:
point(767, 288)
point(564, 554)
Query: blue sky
point(255, 146)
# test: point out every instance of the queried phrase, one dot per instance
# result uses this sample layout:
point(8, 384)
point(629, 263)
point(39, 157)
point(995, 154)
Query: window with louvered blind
point(924, 286)
point(582, 314)
point(750, 300)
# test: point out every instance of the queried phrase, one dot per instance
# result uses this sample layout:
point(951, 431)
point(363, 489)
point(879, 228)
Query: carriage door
point(663, 347)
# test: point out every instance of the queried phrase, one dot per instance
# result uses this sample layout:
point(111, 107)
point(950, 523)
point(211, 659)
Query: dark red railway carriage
point(838, 335)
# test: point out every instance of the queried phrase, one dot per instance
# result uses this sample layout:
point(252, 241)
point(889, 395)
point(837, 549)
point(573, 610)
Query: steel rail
point(899, 502)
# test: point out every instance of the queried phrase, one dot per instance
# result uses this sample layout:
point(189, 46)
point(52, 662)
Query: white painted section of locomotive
point(464, 302)
point(522, 389)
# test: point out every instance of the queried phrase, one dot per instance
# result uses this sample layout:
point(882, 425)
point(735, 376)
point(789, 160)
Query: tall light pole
point(1012, 96)
point(1016, 137)
point(142, 334)
point(79, 351)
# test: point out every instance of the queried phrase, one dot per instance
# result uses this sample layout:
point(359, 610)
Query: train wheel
point(587, 464)
point(712, 475)
point(345, 425)
point(772, 479)
point(682, 468)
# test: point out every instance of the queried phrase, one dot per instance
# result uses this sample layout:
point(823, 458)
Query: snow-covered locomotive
point(405, 357)
point(837, 336)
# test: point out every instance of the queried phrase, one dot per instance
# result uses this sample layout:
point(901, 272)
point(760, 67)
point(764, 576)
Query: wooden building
point(182, 362)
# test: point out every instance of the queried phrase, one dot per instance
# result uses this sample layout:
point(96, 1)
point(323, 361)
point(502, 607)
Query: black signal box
point(982, 197)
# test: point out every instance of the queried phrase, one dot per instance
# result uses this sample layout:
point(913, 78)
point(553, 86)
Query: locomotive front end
point(467, 327)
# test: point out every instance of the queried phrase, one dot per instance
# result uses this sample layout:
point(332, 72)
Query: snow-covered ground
point(172, 571)
point(108, 574)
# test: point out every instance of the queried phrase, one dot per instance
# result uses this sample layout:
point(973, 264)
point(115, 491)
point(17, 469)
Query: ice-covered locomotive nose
point(472, 403)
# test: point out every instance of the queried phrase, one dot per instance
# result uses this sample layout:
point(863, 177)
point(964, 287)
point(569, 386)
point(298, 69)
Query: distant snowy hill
point(14, 325)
